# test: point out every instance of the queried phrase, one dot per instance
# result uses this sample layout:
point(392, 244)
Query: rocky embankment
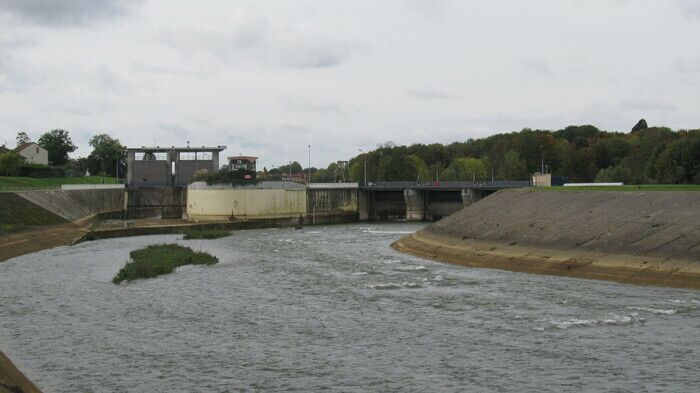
point(648, 238)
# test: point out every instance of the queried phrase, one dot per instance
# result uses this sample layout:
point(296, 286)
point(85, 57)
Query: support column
point(131, 157)
point(469, 196)
point(415, 205)
point(363, 204)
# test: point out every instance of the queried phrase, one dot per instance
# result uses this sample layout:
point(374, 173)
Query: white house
point(33, 153)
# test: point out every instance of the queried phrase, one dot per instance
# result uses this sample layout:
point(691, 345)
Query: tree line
point(579, 153)
point(106, 158)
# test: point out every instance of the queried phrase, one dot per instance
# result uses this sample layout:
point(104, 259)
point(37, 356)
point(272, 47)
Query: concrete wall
point(75, 205)
point(325, 205)
point(156, 202)
point(220, 204)
point(314, 205)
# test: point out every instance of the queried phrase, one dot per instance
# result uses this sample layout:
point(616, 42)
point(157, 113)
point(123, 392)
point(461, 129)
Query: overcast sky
point(267, 78)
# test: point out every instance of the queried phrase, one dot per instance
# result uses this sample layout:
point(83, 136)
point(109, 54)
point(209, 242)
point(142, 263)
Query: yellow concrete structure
point(221, 204)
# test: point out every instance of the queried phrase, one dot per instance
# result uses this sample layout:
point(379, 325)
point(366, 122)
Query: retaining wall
point(64, 205)
point(639, 237)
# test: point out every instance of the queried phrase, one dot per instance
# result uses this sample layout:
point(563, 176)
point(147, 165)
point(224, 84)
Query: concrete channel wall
point(323, 205)
point(639, 237)
point(73, 205)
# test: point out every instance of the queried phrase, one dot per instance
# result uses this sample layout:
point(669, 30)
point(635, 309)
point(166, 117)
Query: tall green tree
point(465, 169)
point(108, 153)
point(58, 143)
point(513, 167)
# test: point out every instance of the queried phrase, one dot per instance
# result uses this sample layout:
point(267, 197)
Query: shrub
point(206, 234)
point(156, 260)
point(10, 162)
point(226, 176)
point(39, 171)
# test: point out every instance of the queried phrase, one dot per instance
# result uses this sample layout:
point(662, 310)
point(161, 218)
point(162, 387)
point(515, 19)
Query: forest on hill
point(583, 153)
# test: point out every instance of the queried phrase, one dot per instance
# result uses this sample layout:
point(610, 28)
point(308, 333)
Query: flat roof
point(161, 149)
point(249, 158)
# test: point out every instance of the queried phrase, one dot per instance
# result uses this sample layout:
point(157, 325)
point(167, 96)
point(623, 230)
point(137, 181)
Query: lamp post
point(542, 155)
point(309, 181)
point(365, 156)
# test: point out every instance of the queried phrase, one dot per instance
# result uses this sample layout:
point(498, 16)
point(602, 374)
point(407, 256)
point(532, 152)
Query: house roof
point(247, 158)
point(24, 146)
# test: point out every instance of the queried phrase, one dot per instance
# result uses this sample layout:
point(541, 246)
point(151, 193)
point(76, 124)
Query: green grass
point(206, 234)
point(11, 182)
point(159, 259)
point(643, 187)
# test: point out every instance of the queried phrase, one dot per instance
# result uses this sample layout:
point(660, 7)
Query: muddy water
point(334, 308)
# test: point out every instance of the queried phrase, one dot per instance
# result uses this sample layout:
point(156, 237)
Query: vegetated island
point(206, 234)
point(638, 237)
point(156, 260)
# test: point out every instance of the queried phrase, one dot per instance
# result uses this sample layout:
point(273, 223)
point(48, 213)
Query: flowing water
point(335, 309)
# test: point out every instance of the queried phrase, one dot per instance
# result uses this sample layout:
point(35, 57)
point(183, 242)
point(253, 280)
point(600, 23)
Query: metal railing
point(451, 184)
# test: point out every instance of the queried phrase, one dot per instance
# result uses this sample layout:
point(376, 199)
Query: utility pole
point(542, 155)
point(309, 181)
point(365, 156)
point(290, 171)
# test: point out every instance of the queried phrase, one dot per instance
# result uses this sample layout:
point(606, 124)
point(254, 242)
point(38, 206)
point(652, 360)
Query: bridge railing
point(451, 184)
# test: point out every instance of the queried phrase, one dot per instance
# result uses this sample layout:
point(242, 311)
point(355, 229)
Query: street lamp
point(365, 156)
point(309, 181)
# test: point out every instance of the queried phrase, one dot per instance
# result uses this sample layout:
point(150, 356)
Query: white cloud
point(67, 12)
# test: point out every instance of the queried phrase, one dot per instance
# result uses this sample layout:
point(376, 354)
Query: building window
point(188, 156)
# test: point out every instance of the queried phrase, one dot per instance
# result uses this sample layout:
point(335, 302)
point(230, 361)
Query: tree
point(396, 167)
point(58, 144)
point(421, 168)
point(22, 138)
point(108, 152)
point(513, 167)
point(10, 162)
point(641, 125)
point(465, 169)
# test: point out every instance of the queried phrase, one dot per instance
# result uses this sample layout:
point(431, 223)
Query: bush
point(226, 176)
point(206, 234)
point(10, 163)
point(160, 259)
point(40, 171)
point(617, 173)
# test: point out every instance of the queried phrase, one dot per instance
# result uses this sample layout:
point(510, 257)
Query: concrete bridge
point(416, 201)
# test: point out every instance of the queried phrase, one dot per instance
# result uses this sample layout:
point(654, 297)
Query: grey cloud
point(539, 68)
point(690, 66)
point(428, 94)
point(434, 10)
point(67, 12)
point(224, 41)
point(313, 54)
point(649, 105)
point(689, 8)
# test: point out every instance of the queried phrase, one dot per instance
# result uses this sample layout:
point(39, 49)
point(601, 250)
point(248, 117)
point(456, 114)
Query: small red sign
point(247, 177)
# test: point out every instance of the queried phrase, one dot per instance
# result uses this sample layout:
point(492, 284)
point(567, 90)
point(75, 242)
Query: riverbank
point(12, 380)
point(646, 238)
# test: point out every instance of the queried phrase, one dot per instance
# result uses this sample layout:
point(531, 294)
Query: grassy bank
point(12, 182)
point(631, 187)
point(156, 260)
point(206, 234)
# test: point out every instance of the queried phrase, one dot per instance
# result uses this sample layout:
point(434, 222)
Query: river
point(334, 308)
